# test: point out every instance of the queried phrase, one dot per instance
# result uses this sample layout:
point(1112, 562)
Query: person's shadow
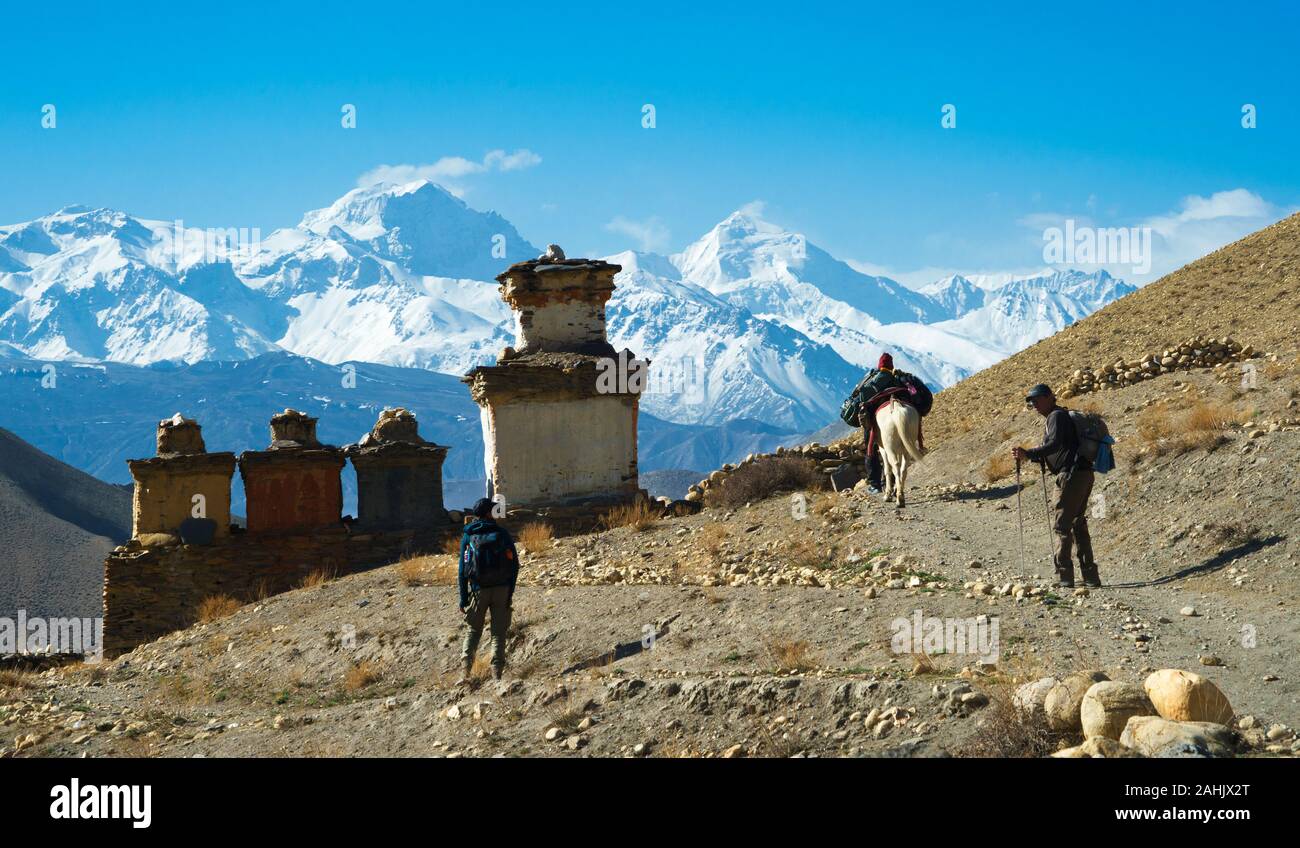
point(1215, 563)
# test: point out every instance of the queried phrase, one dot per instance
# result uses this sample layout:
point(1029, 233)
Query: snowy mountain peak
point(423, 227)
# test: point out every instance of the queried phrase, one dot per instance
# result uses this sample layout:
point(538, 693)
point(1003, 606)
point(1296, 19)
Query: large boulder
point(1062, 702)
point(1030, 697)
point(1107, 706)
point(1098, 747)
point(1159, 737)
point(1183, 696)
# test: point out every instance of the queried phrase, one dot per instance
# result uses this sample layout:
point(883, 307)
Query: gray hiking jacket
point(1060, 448)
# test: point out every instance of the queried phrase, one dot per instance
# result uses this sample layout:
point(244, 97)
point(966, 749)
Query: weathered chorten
point(559, 411)
point(399, 475)
point(182, 485)
point(295, 484)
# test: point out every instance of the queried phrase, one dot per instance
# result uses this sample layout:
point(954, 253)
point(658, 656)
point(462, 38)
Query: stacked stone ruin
point(184, 489)
point(844, 465)
point(1197, 352)
point(399, 475)
point(185, 549)
point(559, 410)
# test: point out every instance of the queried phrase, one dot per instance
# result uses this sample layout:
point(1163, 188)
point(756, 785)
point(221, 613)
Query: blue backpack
point(489, 560)
point(1094, 440)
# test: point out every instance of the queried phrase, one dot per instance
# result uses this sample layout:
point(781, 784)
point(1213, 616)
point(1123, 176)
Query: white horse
point(900, 431)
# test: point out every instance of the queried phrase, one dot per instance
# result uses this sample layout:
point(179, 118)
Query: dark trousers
point(1071, 521)
point(875, 465)
point(497, 600)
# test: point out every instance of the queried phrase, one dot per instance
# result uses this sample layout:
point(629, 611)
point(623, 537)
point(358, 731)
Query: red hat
point(886, 361)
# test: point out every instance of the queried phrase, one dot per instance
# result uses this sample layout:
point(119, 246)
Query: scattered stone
point(1061, 706)
point(1159, 737)
point(1107, 706)
point(1183, 696)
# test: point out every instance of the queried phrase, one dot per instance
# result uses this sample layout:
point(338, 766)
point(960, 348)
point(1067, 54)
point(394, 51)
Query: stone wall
point(156, 582)
point(150, 592)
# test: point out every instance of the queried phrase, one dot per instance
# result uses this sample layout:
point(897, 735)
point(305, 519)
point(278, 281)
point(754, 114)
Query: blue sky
point(828, 115)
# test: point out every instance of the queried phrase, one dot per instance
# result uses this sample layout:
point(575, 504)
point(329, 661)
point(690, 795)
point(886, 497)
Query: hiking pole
point(1020, 513)
point(1047, 512)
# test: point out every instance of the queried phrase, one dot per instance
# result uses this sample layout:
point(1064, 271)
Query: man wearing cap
point(1059, 453)
point(880, 379)
point(489, 568)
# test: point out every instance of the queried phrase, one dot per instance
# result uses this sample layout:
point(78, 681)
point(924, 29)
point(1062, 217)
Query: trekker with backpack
point(859, 409)
point(1063, 453)
point(879, 379)
point(489, 567)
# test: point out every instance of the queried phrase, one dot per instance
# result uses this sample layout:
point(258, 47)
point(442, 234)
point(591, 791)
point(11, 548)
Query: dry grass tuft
point(537, 537)
point(712, 538)
point(923, 664)
point(999, 465)
point(360, 676)
point(1003, 731)
point(415, 571)
point(1199, 427)
point(791, 655)
point(803, 552)
point(16, 679)
point(452, 546)
point(216, 607)
point(764, 478)
point(639, 515)
point(317, 578)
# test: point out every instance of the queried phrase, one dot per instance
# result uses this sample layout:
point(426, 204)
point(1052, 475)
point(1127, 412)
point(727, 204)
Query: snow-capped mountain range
point(749, 322)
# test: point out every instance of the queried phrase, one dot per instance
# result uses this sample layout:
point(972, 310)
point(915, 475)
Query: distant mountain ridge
point(753, 321)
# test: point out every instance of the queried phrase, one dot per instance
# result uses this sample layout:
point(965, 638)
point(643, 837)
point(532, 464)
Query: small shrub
point(216, 607)
point(762, 479)
point(12, 679)
point(537, 537)
point(452, 546)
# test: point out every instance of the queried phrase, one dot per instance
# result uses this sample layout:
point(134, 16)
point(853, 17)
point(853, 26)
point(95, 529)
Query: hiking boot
point(1064, 580)
point(1090, 577)
point(467, 674)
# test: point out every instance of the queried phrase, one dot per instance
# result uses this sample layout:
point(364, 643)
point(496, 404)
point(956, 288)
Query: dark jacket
point(474, 528)
point(1060, 448)
point(873, 384)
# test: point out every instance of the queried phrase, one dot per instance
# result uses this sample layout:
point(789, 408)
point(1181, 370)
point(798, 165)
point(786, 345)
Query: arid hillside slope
point(56, 526)
point(1249, 290)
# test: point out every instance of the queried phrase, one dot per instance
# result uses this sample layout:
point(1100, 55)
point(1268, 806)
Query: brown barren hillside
point(1249, 290)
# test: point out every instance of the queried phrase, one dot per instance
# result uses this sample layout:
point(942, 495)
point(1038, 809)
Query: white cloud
point(650, 235)
point(450, 171)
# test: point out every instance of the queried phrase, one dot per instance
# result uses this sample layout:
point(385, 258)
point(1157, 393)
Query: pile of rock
point(1198, 352)
point(1174, 713)
point(843, 466)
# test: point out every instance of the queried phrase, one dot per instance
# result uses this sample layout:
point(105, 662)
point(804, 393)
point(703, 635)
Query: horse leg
point(902, 479)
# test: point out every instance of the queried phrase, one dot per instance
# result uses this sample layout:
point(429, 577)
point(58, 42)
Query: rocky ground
point(775, 627)
point(774, 622)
